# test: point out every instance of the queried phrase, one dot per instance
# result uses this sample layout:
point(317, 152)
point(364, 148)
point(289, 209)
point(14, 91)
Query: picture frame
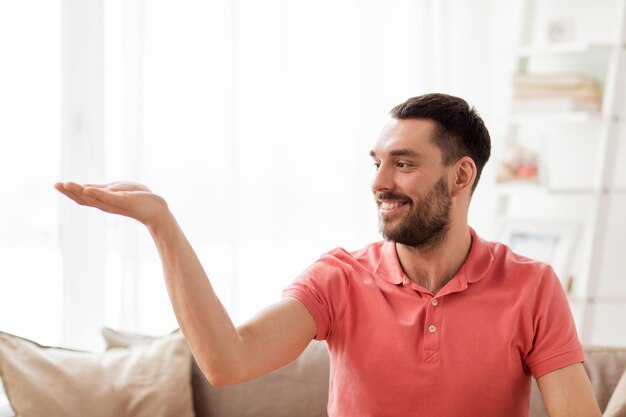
point(552, 242)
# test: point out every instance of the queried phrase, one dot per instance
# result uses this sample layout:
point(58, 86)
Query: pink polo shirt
point(397, 350)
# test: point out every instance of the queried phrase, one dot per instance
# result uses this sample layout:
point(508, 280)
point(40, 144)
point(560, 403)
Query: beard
point(428, 221)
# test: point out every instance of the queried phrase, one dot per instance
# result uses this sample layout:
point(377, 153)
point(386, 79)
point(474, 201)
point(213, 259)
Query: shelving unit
point(563, 48)
point(530, 57)
point(569, 117)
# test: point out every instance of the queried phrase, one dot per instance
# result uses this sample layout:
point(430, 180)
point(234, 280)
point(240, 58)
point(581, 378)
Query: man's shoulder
point(371, 249)
point(514, 265)
point(339, 267)
point(366, 257)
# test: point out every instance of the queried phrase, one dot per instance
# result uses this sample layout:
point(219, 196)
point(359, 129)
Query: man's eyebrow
point(399, 152)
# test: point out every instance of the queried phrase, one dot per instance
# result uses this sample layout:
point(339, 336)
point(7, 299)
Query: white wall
point(255, 120)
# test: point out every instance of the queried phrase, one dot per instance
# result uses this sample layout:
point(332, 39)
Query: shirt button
point(434, 302)
point(432, 329)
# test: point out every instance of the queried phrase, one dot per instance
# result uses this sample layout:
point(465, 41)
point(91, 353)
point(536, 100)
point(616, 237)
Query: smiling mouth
point(389, 207)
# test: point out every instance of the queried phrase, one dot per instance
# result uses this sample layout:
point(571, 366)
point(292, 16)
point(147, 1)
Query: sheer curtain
point(31, 290)
point(255, 121)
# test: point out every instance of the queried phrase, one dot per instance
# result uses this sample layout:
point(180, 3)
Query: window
point(31, 284)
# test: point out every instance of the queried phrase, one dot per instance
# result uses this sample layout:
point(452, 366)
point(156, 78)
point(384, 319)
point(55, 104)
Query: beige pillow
point(617, 404)
point(297, 389)
point(151, 380)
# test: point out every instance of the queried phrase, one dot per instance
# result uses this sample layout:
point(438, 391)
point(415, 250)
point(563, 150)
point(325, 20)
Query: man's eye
point(401, 164)
point(376, 165)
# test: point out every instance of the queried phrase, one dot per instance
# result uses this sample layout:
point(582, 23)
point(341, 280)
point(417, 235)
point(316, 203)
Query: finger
point(103, 206)
point(60, 187)
point(76, 192)
point(96, 185)
point(104, 196)
point(108, 201)
point(81, 199)
point(72, 186)
point(89, 201)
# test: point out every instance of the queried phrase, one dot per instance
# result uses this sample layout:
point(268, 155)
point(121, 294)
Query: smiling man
point(432, 321)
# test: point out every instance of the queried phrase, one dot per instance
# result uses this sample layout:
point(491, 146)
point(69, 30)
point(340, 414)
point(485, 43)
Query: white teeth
point(388, 206)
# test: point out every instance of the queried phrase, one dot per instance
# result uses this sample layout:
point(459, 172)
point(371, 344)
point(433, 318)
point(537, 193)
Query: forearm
point(203, 319)
point(567, 392)
point(225, 354)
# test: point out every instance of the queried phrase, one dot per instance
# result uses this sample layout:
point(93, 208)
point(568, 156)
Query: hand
point(124, 198)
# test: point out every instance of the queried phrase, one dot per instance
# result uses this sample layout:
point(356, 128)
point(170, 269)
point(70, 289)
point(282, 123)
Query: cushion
point(617, 404)
point(148, 380)
point(297, 389)
point(604, 367)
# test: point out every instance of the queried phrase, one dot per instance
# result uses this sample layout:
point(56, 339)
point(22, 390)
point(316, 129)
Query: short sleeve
point(323, 289)
point(555, 342)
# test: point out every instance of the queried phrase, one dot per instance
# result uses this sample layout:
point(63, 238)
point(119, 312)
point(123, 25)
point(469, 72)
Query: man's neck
point(432, 268)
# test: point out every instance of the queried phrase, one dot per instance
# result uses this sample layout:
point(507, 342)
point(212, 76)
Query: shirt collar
point(474, 268)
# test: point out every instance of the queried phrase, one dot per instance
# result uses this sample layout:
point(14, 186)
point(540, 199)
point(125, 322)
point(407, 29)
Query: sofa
point(299, 389)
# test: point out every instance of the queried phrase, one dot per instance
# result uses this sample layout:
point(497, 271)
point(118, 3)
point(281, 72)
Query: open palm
point(124, 198)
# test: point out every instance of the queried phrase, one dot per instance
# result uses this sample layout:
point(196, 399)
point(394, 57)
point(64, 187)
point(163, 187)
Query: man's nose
point(383, 180)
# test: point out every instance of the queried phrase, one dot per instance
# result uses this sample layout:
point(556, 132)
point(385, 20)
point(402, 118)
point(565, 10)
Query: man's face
point(411, 184)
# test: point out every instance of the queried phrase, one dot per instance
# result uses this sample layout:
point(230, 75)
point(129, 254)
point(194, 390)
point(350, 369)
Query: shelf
point(566, 117)
point(565, 48)
point(517, 187)
point(520, 188)
point(599, 60)
point(599, 299)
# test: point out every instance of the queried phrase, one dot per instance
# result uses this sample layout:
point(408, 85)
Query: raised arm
point(567, 392)
point(226, 355)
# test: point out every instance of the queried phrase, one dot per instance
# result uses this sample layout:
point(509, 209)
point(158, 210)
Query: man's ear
point(464, 175)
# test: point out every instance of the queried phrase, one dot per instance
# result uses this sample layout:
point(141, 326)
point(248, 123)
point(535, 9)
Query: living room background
point(253, 119)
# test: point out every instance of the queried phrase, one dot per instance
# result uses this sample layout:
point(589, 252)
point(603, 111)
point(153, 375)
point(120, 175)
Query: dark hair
point(459, 129)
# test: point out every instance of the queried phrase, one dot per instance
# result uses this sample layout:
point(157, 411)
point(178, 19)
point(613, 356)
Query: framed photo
point(552, 242)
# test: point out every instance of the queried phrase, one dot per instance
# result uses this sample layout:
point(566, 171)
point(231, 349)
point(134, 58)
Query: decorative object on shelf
point(547, 241)
point(560, 31)
point(555, 93)
point(518, 164)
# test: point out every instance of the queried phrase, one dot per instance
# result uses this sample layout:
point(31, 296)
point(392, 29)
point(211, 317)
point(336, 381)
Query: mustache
point(391, 195)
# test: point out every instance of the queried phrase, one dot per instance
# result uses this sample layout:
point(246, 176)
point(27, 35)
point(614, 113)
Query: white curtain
point(30, 148)
point(254, 120)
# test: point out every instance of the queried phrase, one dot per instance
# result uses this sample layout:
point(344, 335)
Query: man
point(433, 321)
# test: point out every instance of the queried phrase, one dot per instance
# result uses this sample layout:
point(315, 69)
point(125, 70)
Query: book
point(554, 105)
point(521, 81)
point(578, 93)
